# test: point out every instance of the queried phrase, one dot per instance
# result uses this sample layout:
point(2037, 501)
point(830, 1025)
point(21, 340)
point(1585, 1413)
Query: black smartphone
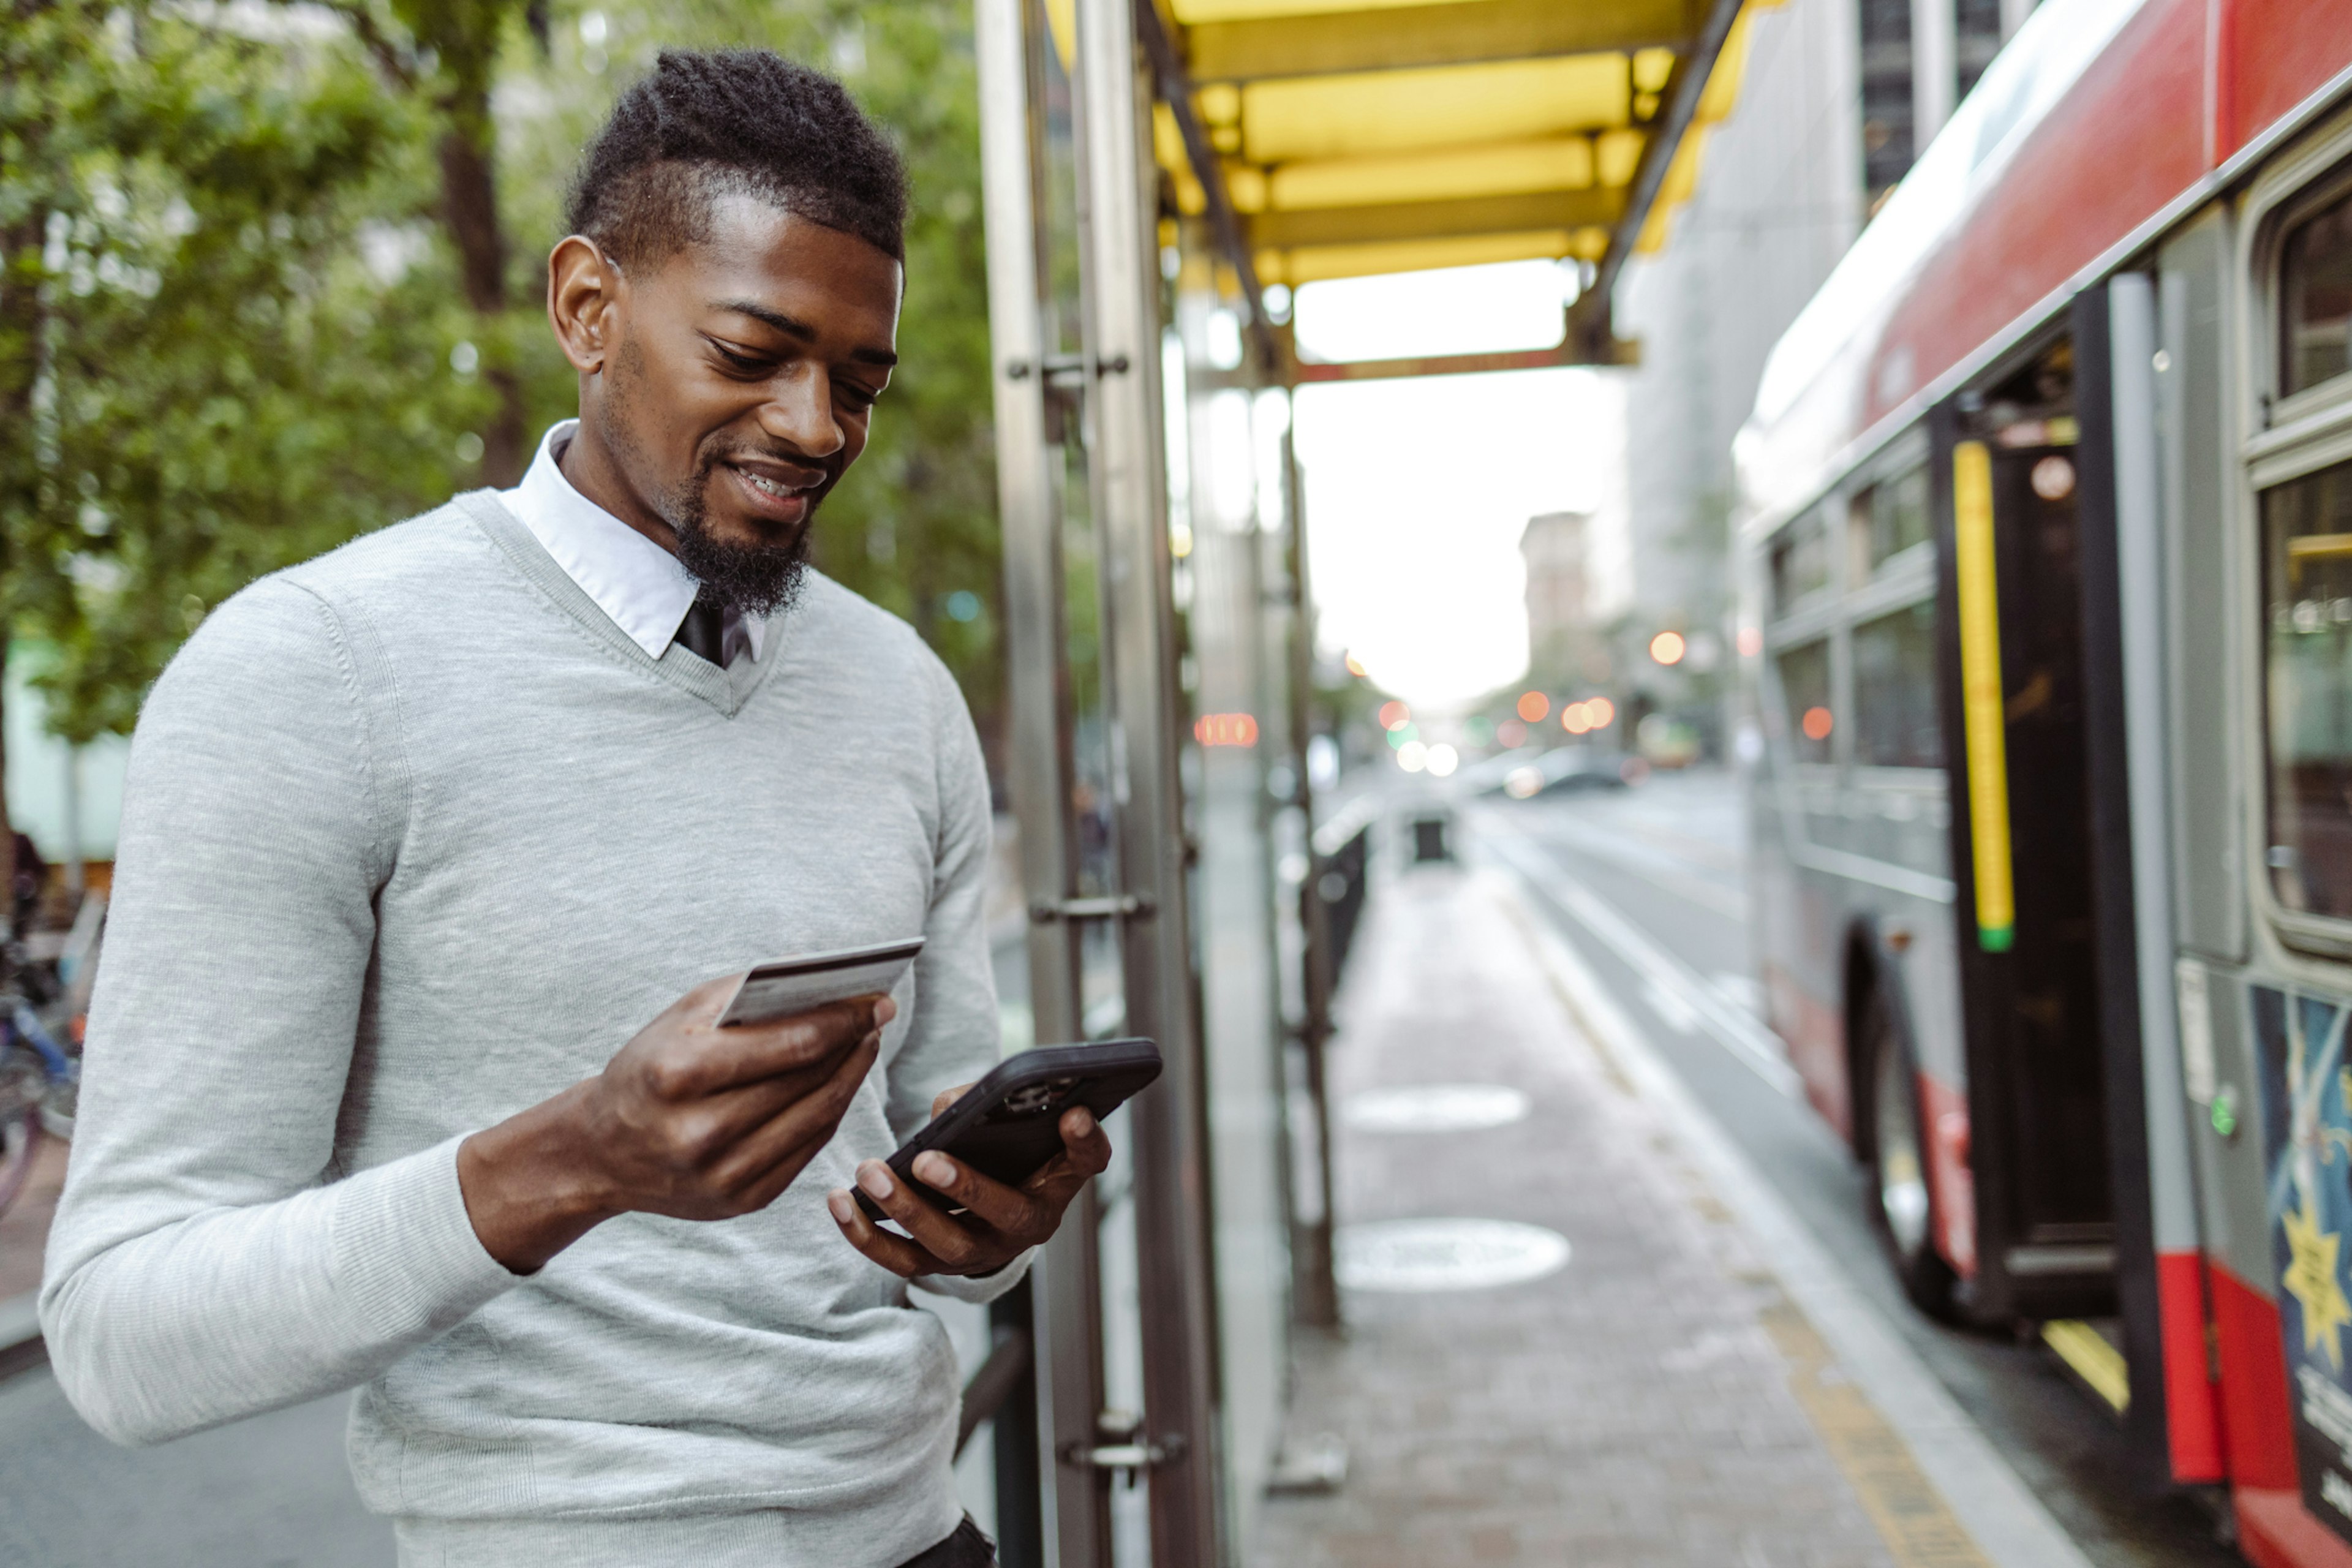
point(1010, 1123)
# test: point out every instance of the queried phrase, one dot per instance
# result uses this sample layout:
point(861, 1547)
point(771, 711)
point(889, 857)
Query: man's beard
point(751, 579)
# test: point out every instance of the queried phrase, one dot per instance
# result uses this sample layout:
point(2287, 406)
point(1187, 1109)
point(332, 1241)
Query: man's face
point(741, 376)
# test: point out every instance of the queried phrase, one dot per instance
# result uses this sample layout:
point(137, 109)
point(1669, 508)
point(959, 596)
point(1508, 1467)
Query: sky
point(1417, 490)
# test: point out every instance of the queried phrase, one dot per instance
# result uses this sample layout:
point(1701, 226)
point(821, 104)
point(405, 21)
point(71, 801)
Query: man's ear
point(583, 302)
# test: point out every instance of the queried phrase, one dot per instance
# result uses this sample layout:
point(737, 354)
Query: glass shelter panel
point(1238, 697)
point(2308, 687)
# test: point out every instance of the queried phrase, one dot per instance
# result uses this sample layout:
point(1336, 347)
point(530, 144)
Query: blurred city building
point(1841, 96)
point(1559, 589)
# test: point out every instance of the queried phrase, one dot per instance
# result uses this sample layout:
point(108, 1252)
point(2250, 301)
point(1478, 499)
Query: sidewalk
point(1657, 1401)
point(24, 1232)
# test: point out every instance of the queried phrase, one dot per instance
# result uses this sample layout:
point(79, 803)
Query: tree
point(444, 56)
point(200, 378)
point(239, 323)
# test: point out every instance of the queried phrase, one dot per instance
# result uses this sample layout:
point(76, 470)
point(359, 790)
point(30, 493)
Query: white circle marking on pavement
point(1420, 1255)
point(1435, 1108)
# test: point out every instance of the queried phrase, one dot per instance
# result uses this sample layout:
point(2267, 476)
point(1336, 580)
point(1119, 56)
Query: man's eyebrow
point(799, 330)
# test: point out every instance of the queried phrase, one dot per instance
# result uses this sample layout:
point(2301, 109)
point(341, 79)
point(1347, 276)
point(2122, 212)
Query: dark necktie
point(704, 631)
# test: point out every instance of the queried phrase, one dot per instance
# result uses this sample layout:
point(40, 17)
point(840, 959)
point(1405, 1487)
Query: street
point(272, 1492)
point(1646, 884)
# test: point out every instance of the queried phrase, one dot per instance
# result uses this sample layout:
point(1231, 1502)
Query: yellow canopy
point(1362, 136)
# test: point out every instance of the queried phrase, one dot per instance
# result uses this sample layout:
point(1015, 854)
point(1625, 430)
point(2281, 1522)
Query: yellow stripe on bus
point(1980, 695)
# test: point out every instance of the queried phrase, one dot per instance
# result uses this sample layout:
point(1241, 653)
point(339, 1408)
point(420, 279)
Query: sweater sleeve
point(952, 1036)
point(205, 1264)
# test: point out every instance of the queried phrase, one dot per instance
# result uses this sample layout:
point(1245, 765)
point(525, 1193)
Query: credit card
point(791, 985)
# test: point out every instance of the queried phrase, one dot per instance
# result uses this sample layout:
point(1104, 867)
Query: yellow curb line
point(1919, 1529)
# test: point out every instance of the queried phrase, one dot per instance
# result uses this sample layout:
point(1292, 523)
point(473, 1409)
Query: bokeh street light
point(1583, 718)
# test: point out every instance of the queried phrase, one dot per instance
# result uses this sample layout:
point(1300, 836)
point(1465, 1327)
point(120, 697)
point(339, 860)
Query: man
point(419, 832)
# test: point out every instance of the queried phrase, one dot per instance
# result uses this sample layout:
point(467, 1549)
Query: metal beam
point(1592, 327)
point(1151, 32)
point(1569, 351)
point(1457, 34)
point(1598, 207)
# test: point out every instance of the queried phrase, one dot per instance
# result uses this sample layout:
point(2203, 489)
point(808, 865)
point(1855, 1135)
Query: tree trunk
point(469, 200)
point(22, 326)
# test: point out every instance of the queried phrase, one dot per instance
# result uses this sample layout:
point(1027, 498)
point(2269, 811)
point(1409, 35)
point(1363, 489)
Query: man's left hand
point(999, 1222)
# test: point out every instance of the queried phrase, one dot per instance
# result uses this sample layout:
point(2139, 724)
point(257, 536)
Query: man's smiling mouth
point(775, 488)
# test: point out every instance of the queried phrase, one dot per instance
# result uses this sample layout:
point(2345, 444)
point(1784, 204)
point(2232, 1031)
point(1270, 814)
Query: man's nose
point(798, 412)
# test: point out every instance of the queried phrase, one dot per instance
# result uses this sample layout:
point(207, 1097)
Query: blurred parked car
point(1569, 769)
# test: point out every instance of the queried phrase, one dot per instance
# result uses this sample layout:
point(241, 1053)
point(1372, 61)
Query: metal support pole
point(1119, 264)
point(1019, 1451)
point(1314, 1291)
point(1066, 1293)
point(1935, 69)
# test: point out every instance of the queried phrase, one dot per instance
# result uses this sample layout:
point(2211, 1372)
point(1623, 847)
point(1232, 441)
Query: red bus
point(2046, 637)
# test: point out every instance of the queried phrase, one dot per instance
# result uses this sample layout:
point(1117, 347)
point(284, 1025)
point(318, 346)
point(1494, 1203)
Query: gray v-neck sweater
point(415, 836)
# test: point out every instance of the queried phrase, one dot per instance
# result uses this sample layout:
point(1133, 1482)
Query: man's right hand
point(688, 1119)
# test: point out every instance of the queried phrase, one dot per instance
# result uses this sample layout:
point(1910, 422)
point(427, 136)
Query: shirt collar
point(632, 579)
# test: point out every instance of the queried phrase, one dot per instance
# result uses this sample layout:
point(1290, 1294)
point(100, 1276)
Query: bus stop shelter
point(1159, 180)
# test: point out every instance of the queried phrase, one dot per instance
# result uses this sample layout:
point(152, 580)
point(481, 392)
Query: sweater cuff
point(979, 1289)
point(405, 1248)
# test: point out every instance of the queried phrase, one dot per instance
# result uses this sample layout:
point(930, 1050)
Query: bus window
point(1888, 519)
point(2316, 299)
point(1805, 687)
point(1895, 721)
point(1800, 564)
point(2308, 585)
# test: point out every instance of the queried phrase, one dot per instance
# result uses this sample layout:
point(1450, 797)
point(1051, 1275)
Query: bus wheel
point(1905, 1204)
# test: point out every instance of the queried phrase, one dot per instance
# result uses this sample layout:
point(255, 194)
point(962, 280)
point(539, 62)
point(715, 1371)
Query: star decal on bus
point(2311, 1280)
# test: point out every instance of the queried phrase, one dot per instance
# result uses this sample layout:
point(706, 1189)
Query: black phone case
point(1009, 1123)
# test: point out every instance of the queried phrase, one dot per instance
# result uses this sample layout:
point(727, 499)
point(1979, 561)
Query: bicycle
point(40, 1080)
point(38, 1084)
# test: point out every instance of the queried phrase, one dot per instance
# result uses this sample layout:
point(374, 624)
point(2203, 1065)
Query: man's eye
point(856, 396)
point(748, 363)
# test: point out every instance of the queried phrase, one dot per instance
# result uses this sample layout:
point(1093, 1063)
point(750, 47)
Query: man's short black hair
point(706, 123)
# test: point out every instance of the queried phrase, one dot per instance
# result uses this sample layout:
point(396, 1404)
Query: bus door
point(2016, 713)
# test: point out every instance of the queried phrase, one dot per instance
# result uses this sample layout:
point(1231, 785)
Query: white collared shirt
point(635, 580)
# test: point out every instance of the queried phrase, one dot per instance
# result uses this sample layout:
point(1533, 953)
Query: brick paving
point(25, 1228)
point(1634, 1409)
